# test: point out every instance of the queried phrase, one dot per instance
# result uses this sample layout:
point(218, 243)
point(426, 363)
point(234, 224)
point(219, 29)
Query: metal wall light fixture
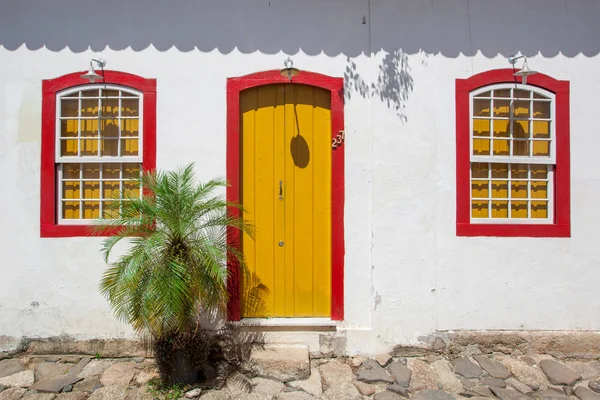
point(525, 71)
point(91, 75)
point(289, 71)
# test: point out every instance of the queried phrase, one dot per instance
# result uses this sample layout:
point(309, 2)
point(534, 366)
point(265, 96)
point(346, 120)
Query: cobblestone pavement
point(290, 375)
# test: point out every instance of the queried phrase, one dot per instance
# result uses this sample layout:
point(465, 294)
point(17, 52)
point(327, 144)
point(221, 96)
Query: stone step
point(282, 362)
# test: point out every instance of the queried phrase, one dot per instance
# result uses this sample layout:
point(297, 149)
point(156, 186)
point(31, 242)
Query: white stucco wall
point(406, 272)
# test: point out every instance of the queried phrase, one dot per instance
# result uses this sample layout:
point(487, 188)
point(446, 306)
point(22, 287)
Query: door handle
point(280, 190)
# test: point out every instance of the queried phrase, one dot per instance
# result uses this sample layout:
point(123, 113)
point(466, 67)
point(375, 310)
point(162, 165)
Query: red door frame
point(336, 87)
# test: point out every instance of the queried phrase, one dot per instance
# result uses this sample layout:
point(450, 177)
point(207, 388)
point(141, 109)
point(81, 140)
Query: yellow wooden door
point(286, 192)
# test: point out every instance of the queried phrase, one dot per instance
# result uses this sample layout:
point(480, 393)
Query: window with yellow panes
point(511, 154)
point(98, 151)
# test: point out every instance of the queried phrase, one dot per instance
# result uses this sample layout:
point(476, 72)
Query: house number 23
point(337, 140)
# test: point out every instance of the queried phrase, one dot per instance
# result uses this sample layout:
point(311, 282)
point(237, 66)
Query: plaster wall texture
point(406, 272)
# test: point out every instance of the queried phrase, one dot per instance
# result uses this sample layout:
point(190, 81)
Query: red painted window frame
point(49, 226)
point(562, 192)
point(335, 86)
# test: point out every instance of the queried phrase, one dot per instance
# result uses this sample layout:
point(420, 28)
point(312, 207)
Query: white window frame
point(550, 161)
point(79, 159)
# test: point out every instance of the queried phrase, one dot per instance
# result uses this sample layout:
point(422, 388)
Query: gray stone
point(87, 384)
point(494, 382)
point(192, 394)
point(433, 394)
point(214, 395)
point(282, 363)
point(76, 370)
point(346, 391)
point(482, 390)
point(119, 374)
point(2, 387)
point(238, 385)
point(529, 375)
point(55, 385)
point(507, 394)
point(364, 388)
point(12, 394)
point(387, 395)
point(446, 379)
point(20, 379)
point(594, 385)
point(312, 385)
point(40, 396)
point(587, 370)
point(138, 360)
point(47, 370)
point(586, 394)
point(267, 386)
point(331, 344)
point(402, 391)
point(528, 360)
point(294, 396)
point(549, 395)
point(558, 373)
point(10, 367)
point(383, 359)
point(52, 359)
point(67, 389)
point(465, 367)
point(116, 392)
point(401, 373)
point(492, 367)
point(519, 386)
point(146, 376)
point(468, 383)
point(423, 376)
point(254, 396)
point(95, 367)
point(568, 390)
point(72, 396)
point(371, 372)
point(70, 359)
point(335, 373)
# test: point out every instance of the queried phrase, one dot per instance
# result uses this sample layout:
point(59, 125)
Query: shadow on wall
point(393, 84)
point(347, 27)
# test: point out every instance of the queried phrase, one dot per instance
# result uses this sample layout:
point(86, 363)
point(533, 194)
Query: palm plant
point(175, 267)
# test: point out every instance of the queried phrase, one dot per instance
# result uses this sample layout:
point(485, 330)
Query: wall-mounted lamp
point(289, 71)
point(91, 75)
point(525, 71)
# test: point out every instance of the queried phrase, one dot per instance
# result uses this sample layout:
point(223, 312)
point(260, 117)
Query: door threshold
point(283, 322)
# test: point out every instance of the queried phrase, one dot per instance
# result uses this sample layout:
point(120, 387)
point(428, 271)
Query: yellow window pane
point(131, 189)
point(479, 209)
point(110, 128)
point(518, 190)
point(541, 148)
point(91, 189)
point(91, 209)
point(69, 127)
point(69, 108)
point(110, 147)
point(500, 171)
point(70, 210)
point(518, 209)
point(499, 189)
point(521, 148)
point(501, 128)
point(541, 129)
point(481, 127)
point(479, 170)
point(89, 107)
point(89, 147)
point(541, 109)
point(110, 190)
point(499, 209)
point(479, 189)
point(520, 129)
point(539, 172)
point(90, 93)
point(131, 127)
point(110, 107)
point(481, 108)
point(89, 128)
point(501, 108)
point(521, 94)
point(68, 147)
point(539, 209)
point(539, 190)
point(502, 93)
point(521, 108)
point(131, 171)
point(129, 147)
point(70, 171)
point(110, 209)
point(501, 147)
point(91, 171)
point(518, 171)
point(70, 190)
point(111, 171)
point(130, 108)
